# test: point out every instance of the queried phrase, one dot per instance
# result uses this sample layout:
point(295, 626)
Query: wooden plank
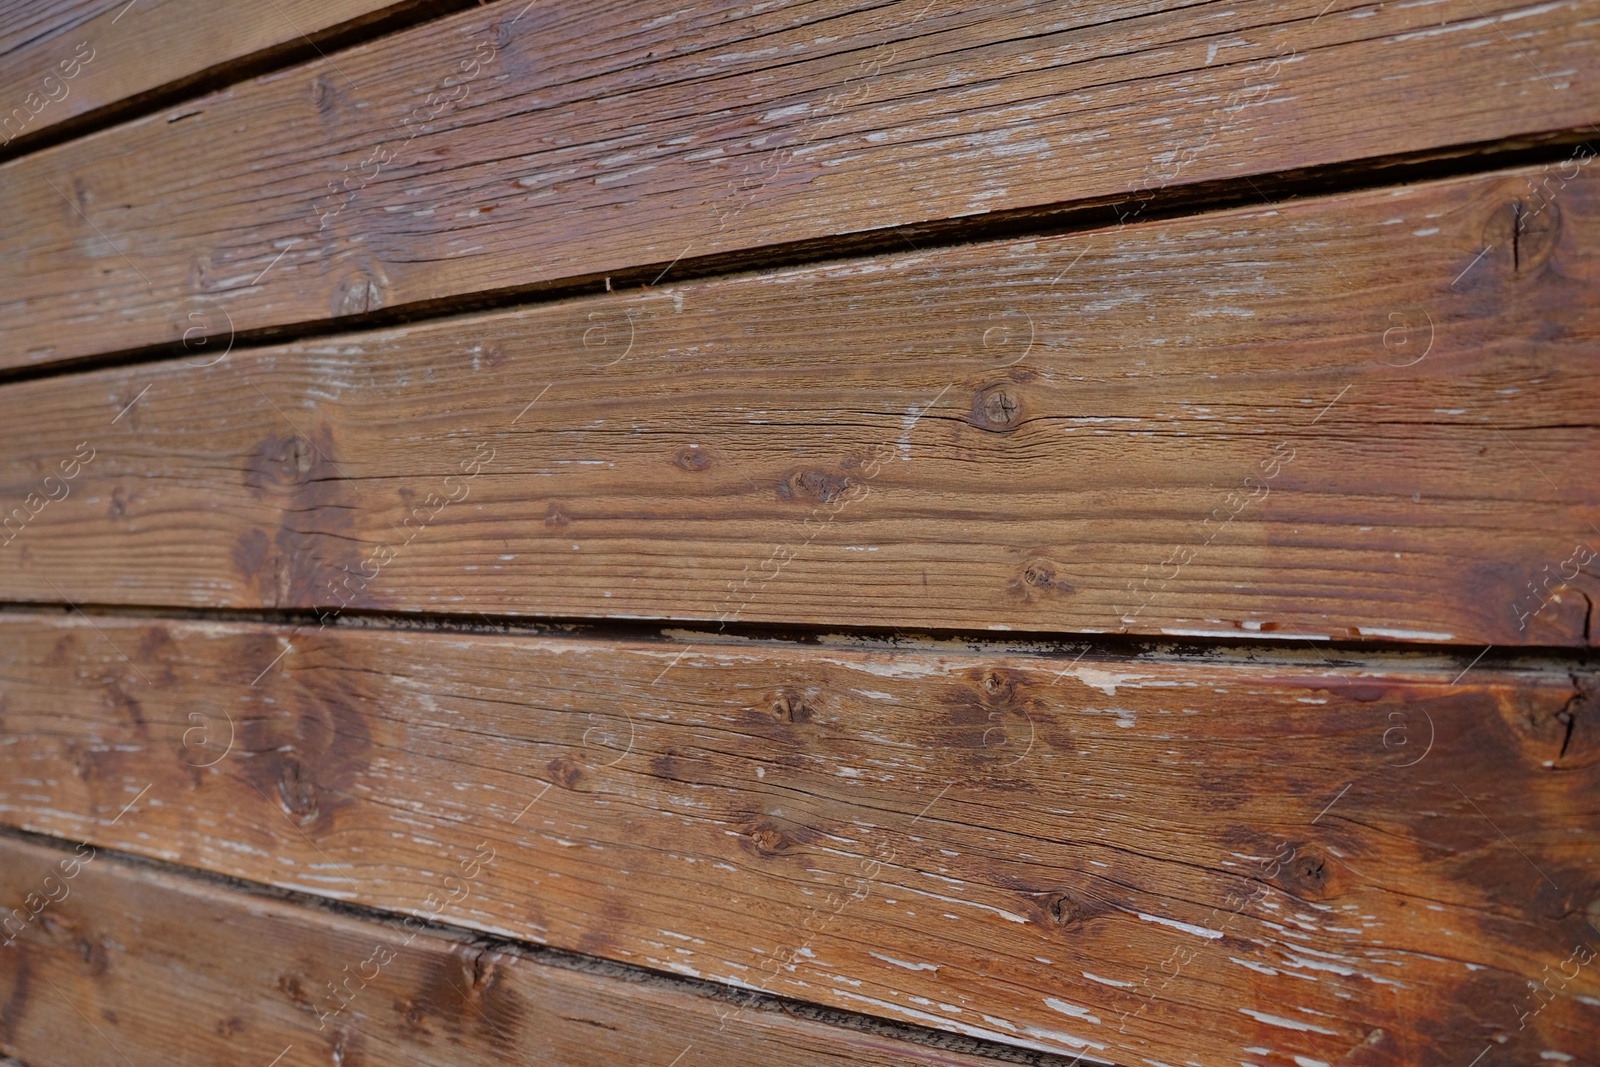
point(1164, 858)
point(1362, 417)
point(514, 147)
point(70, 58)
point(168, 969)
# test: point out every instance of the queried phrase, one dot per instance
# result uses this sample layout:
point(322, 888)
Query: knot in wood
point(296, 789)
point(821, 486)
point(1062, 909)
point(565, 772)
point(789, 706)
point(997, 408)
point(997, 687)
point(1523, 231)
point(768, 840)
point(692, 458)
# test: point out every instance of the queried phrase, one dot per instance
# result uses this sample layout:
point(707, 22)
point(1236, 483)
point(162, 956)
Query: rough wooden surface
point(166, 969)
point(68, 58)
point(1165, 859)
point(1363, 417)
point(516, 145)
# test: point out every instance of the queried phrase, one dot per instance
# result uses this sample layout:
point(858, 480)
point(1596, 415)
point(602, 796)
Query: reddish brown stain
point(315, 557)
point(307, 751)
point(566, 772)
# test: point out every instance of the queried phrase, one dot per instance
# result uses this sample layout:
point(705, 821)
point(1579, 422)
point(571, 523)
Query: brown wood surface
point(1169, 859)
point(67, 58)
point(1371, 416)
point(124, 965)
point(518, 145)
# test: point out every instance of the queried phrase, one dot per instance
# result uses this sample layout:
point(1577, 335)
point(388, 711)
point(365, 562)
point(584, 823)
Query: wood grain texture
point(1172, 859)
point(167, 969)
point(513, 147)
point(68, 58)
point(1364, 417)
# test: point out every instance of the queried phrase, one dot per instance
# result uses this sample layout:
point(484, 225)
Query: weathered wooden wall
point(1008, 846)
point(803, 533)
point(1276, 421)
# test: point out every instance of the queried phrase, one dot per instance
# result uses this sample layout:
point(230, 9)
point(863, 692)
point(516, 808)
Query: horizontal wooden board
point(1364, 417)
point(1149, 860)
point(168, 969)
point(521, 145)
point(68, 58)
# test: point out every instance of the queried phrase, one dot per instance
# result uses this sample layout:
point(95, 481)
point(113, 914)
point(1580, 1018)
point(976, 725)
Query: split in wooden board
point(1365, 417)
point(518, 146)
point(166, 968)
point(69, 58)
point(1156, 858)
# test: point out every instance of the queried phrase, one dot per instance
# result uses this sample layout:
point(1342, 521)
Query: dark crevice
point(1584, 687)
point(302, 49)
point(1163, 204)
point(480, 945)
point(1292, 652)
point(1516, 236)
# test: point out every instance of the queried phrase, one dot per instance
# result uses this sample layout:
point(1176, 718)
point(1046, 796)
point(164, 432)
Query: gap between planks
point(1290, 651)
